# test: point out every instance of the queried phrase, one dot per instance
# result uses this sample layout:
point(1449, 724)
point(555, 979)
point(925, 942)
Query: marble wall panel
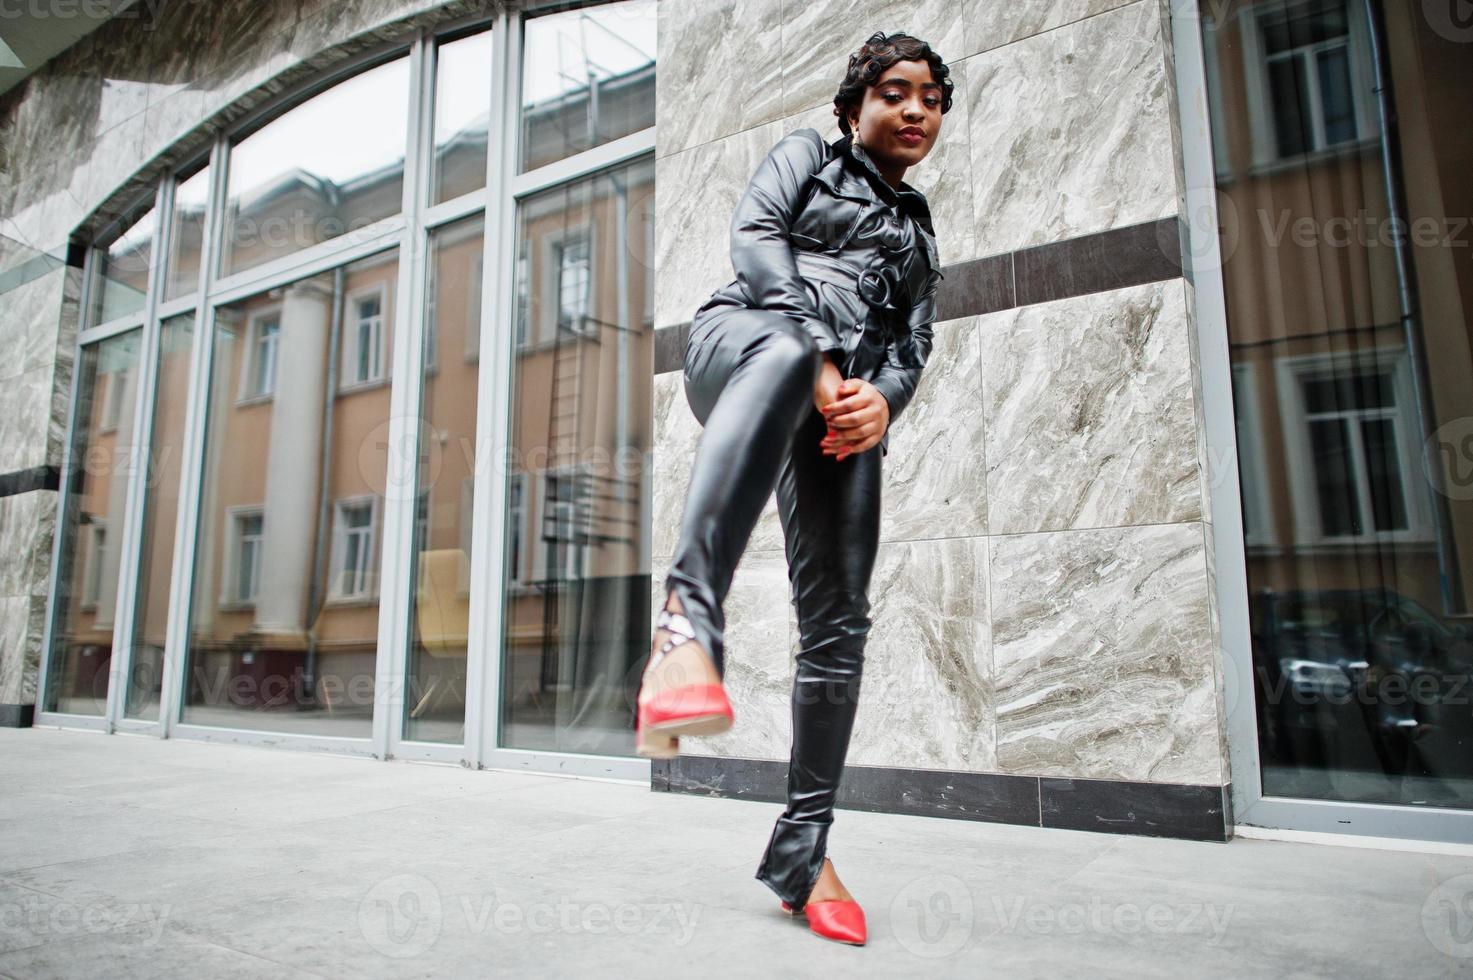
point(1089, 415)
point(736, 44)
point(1103, 654)
point(935, 481)
point(926, 697)
point(1071, 131)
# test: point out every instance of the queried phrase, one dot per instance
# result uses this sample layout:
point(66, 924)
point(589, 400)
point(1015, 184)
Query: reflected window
point(572, 258)
point(259, 377)
point(524, 279)
point(245, 543)
point(96, 559)
point(1353, 479)
point(363, 353)
point(588, 77)
point(1313, 75)
point(324, 169)
point(354, 558)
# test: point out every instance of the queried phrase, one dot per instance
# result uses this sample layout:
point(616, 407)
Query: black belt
point(876, 285)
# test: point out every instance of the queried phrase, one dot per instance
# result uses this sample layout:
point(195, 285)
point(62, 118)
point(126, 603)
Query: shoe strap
point(676, 623)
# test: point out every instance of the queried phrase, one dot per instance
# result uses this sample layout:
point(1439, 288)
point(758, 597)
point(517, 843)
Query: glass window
point(191, 197)
point(284, 626)
point(89, 569)
point(325, 168)
point(588, 77)
point(1354, 455)
point(577, 589)
point(462, 117)
point(160, 514)
point(436, 679)
point(121, 282)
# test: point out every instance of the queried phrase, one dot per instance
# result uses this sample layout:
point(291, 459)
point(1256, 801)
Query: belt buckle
point(867, 292)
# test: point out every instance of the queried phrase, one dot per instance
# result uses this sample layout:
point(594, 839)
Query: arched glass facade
point(361, 415)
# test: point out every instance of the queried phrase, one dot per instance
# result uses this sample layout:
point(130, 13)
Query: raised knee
point(793, 350)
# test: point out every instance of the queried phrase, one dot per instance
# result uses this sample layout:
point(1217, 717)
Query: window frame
point(348, 355)
point(198, 549)
point(228, 600)
point(245, 389)
point(368, 593)
point(553, 248)
point(94, 564)
point(1262, 133)
point(1290, 374)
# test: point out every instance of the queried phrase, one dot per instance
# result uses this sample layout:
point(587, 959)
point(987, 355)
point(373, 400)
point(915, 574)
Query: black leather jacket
point(819, 235)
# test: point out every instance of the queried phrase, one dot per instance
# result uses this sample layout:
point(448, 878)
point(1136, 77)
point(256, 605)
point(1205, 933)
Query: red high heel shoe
point(839, 920)
point(690, 709)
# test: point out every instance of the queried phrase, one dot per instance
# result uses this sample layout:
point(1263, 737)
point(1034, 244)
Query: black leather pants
point(749, 378)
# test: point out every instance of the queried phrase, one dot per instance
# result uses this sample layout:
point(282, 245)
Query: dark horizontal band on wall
point(17, 715)
point(1190, 812)
point(1114, 259)
point(35, 478)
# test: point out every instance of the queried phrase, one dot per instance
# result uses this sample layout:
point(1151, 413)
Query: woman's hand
point(826, 388)
point(857, 416)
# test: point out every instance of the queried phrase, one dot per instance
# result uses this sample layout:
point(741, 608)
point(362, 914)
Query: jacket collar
point(856, 160)
point(852, 173)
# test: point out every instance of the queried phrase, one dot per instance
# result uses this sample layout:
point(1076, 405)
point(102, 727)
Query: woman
point(796, 370)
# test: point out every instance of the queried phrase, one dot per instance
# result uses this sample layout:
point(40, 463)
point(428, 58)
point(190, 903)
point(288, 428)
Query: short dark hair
point(877, 54)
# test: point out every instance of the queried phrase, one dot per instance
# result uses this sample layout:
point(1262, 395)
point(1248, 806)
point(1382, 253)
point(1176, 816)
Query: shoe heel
point(655, 745)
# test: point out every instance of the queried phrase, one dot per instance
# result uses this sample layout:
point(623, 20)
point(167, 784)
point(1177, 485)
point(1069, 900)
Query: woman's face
point(900, 117)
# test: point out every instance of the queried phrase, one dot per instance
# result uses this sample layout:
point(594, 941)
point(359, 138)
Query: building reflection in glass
point(328, 167)
point(1350, 349)
point(440, 618)
point(160, 515)
point(284, 617)
point(577, 561)
point(588, 77)
point(102, 453)
point(120, 279)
